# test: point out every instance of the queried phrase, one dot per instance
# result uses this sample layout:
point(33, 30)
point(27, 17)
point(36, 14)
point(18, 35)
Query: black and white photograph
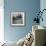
point(17, 18)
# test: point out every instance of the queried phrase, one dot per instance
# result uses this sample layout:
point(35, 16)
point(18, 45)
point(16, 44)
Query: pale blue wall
point(43, 6)
point(30, 7)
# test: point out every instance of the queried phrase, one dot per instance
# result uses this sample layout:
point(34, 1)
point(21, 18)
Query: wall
point(43, 6)
point(30, 7)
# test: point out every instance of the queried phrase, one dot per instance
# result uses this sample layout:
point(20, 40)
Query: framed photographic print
point(17, 18)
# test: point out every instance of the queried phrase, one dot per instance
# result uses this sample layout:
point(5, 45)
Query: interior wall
point(43, 6)
point(29, 7)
